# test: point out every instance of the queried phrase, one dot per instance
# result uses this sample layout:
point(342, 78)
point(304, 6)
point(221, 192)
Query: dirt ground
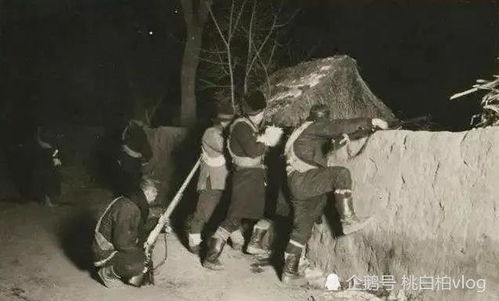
point(44, 256)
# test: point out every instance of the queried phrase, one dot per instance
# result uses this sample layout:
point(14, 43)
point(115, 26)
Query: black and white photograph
point(249, 150)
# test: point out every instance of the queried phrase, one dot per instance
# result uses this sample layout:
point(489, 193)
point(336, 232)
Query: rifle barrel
point(151, 239)
point(180, 192)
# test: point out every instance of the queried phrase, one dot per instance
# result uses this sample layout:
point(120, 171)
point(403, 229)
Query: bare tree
point(195, 16)
point(227, 41)
point(257, 43)
point(243, 46)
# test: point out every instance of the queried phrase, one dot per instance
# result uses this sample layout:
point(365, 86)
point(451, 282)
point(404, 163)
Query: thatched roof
point(334, 81)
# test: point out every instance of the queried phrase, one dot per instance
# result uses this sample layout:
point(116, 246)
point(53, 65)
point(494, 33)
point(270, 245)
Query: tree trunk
point(195, 15)
point(188, 77)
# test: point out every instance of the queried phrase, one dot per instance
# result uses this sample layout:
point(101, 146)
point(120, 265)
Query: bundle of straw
point(489, 116)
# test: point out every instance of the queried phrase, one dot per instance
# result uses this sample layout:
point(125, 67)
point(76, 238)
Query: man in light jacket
point(212, 175)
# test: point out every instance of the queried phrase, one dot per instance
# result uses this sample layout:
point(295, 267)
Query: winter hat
point(135, 138)
point(254, 103)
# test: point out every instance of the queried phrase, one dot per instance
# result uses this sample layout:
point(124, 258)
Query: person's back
point(310, 180)
point(213, 162)
point(213, 173)
point(313, 143)
point(46, 175)
point(111, 233)
point(135, 152)
point(247, 148)
point(119, 236)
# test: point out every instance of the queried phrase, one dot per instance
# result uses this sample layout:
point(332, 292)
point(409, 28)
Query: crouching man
point(310, 180)
point(119, 237)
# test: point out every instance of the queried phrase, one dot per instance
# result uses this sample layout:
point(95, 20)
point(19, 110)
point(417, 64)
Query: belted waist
point(238, 167)
point(213, 161)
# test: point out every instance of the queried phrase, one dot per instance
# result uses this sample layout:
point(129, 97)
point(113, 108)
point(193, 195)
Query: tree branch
point(250, 43)
point(203, 10)
point(212, 61)
point(236, 24)
point(272, 51)
point(212, 85)
point(220, 33)
point(269, 34)
point(266, 67)
point(231, 17)
point(286, 23)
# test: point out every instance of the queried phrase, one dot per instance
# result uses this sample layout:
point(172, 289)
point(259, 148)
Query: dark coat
point(129, 174)
point(123, 226)
point(248, 184)
point(312, 145)
point(248, 193)
point(46, 176)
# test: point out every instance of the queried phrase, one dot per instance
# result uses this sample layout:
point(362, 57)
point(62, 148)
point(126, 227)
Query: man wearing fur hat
point(134, 154)
point(119, 237)
point(247, 148)
point(212, 175)
point(310, 180)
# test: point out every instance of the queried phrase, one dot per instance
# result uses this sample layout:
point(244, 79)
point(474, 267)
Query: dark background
point(413, 54)
point(79, 62)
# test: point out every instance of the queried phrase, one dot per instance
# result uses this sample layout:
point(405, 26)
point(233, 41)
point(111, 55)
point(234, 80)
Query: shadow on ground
point(76, 234)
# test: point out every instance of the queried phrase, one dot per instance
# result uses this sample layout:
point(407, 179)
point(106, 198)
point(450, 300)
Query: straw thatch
point(334, 81)
point(489, 116)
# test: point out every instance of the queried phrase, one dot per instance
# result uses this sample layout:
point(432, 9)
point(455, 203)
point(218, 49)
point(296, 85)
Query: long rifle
point(164, 221)
point(392, 125)
point(341, 140)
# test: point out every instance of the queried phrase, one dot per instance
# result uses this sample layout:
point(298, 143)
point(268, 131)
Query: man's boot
point(194, 242)
point(255, 245)
point(291, 269)
point(237, 240)
point(349, 220)
point(290, 272)
point(109, 277)
point(136, 280)
point(215, 247)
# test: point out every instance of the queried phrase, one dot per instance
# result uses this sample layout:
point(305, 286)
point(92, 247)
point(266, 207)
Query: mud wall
point(172, 153)
point(435, 200)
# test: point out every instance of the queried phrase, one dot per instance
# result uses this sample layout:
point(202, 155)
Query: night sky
point(413, 54)
point(80, 62)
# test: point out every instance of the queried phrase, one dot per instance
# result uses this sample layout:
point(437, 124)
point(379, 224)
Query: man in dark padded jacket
point(310, 179)
point(247, 148)
point(133, 156)
point(120, 235)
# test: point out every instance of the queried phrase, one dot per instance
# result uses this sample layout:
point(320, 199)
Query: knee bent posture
point(310, 179)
